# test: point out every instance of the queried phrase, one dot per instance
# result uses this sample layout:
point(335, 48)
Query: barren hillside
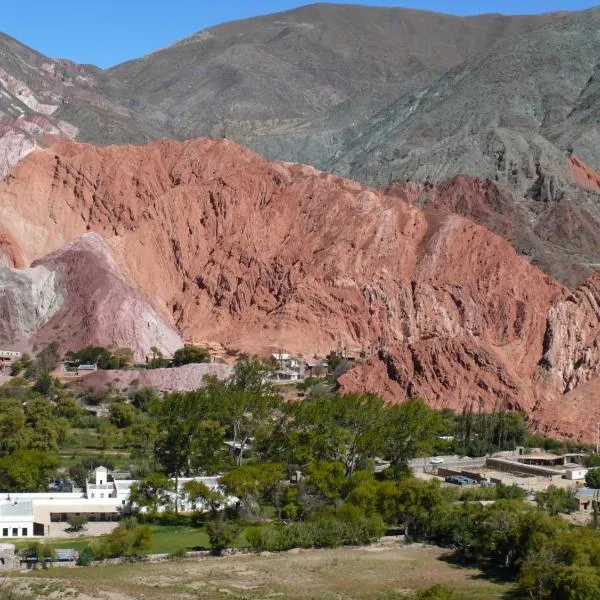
point(228, 246)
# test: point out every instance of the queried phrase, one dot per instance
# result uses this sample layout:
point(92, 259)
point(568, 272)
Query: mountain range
point(406, 144)
point(374, 94)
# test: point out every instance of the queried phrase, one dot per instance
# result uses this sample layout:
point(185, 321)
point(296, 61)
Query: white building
point(289, 367)
point(16, 520)
point(8, 357)
point(104, 499)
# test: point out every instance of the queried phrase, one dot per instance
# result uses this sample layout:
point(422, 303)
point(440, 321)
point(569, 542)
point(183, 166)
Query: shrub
point(39, 553)
point(327, 532)
point(128, 540)
point(86, 556)
point(437, 592)
point(178, 554)
point(190, 354)
point(221, 534)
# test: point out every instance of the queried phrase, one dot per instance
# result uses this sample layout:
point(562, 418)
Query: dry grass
point(386, 571)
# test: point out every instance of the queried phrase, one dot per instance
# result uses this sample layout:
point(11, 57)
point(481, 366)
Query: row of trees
point(50, 357)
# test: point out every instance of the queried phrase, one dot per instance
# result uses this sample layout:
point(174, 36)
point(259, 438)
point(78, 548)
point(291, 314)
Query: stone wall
point(8, 557)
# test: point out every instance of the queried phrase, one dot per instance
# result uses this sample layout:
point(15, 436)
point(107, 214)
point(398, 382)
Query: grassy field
point(166, 539)
point(386, 571)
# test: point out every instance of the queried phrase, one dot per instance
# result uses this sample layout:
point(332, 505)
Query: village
point(105, 498)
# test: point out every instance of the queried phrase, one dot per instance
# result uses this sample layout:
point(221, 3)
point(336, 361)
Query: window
point(93, 495)
point(5, 532)
point(101, 495)
point(24, 532)
point(15, 532)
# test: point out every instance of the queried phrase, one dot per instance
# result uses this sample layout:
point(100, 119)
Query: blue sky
point(107, 32)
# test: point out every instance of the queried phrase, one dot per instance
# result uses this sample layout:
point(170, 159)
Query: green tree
point(145, 399)
point(107, 434)
point(186, 441)
point(361, 491)
point(47, 432)
point(27, 470)
point(202, 497)
point(412, 426)
point(153, 491)
point(157, 361)
point(325, 480)
point(49, 358)
point(68, 408)
point(592, 478)
point(14, 434)
point(44, 384)
point(124, 356)
point(94, 355)
point(190, 354)
point(122, 415)
point(77, 523)
point(39, 553)
point(254, 483)
point(537, 572)
point(347, 429)
point(409, 503)
point(576, 583)
point(556, 500)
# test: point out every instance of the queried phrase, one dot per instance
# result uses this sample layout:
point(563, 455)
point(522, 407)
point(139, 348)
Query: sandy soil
point(59, 530)
point(387, 569)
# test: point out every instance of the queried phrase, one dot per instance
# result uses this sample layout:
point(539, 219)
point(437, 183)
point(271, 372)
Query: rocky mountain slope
point(374, 94)
point(77, 296)
point(389, 94)
point(231, 247)
point(42, 99)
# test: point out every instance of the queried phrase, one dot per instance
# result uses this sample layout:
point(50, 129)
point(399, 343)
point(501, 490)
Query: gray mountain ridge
point(374, 94)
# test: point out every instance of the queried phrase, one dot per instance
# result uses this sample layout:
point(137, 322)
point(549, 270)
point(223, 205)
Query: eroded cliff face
point(571, 354)
point(77, 296)
point(227, 246)
point(28, 300)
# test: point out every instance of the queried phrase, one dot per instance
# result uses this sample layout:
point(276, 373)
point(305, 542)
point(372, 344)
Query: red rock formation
point(584, 175)
point(250, 253)
point(78, 296)
point(100, 306)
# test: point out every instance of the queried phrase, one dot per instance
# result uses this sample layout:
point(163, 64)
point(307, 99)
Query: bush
point(190, 354)
point(7, 592)
point(128, 540)
point(39, 553)
point(221, 534)
point(86, 556)
point(437, 592)
point(178, 554)
point(323, 533)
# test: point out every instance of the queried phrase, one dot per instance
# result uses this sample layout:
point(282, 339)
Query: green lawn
point(166, 539)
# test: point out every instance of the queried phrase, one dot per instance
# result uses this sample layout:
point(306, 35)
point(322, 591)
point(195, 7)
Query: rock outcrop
point(227, 246)
point(77, 296)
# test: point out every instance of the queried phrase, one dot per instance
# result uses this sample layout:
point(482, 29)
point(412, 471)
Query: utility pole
point(598, 438)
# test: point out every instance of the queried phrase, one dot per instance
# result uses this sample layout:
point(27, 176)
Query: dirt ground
point(58, 531)
point(387, 570)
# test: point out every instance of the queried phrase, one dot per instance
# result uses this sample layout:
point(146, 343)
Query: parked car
point(437, 460)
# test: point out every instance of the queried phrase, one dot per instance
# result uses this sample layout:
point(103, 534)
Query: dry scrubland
point(385, 571)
